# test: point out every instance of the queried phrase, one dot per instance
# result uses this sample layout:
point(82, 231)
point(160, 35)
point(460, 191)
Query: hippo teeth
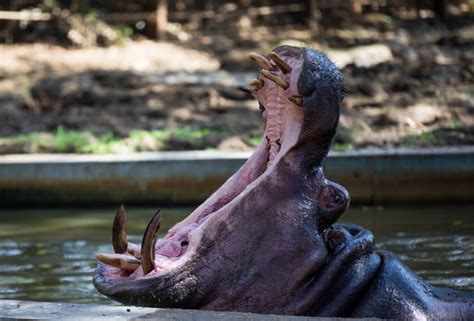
point(248, 89)
point(258, 83)
point(260, 60)
point(119, 231)
point(123, 261)
point(148, 243)
point(276, 79)
point(297, 100)
point(144, 255)
point(284, 67)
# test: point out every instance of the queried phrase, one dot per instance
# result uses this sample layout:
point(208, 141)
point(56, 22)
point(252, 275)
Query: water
point(48, 254)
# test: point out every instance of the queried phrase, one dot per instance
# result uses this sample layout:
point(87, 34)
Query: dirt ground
point(409, 83)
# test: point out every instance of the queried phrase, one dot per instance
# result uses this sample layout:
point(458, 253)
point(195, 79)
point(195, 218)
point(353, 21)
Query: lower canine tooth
point(122, 261)
point(148, 244)
point(119, 231)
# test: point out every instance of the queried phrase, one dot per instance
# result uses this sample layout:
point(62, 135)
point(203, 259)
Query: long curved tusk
point(122, 261)
point(284, 67)
point(260, 60)
point(297, 100)
point(119, 231)
point(276, 79)
point(148, 243)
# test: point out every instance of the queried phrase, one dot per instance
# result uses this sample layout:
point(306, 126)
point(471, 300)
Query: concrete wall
point(21, 310)
point(372, 177)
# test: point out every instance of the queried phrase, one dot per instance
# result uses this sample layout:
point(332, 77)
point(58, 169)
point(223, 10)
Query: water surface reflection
point(48, 254)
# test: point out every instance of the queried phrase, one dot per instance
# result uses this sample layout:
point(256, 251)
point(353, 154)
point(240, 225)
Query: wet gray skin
point(265, 241)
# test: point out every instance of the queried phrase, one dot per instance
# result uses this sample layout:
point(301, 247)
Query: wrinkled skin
point(267, 241)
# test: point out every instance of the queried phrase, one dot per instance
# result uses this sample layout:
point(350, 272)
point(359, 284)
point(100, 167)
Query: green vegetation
point(63, 141)
point(341, 147)
point(429, 137)
point(254, 140)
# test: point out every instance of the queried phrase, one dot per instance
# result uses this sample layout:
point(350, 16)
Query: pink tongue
point(170, 249)
point(173, 245)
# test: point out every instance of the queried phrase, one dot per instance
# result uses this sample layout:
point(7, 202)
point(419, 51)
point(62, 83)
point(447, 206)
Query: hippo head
point(261, 242)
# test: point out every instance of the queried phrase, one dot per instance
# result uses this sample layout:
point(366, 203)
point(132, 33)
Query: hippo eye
point(260, 106)
point(184, 243)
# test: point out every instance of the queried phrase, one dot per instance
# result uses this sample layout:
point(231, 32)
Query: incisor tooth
point(122, 261)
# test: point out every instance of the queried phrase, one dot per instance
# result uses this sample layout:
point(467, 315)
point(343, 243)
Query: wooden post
point(357, 6)
point(439, 8)
point(314, 17)
point(418, 9)
point(10, 28)
point(161, 16)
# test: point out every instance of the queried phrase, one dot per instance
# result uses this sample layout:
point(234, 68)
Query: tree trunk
point(161, 19)
point(439, 8)
point(314, 17)
point(157, 26)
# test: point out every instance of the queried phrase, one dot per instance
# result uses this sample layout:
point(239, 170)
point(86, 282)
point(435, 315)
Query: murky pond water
point(48, 254)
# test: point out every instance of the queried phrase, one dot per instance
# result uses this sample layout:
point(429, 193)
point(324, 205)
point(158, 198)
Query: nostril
point(184, 243)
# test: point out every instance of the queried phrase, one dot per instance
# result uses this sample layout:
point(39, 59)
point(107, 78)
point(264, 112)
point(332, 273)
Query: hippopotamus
point(267, 241)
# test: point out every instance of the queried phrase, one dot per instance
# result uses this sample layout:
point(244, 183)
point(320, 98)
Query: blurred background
point(103, 76)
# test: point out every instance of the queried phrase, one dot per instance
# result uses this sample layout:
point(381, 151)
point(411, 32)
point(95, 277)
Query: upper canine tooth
point(284, 67)
point(276, 79)
point(260, 60)
point(122, 261)
point(297, 100)
point(257, 83)
point(247, 89)
point(119, 231)
point(148, 243)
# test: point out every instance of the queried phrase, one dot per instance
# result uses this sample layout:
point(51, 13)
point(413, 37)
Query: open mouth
point(277, 94)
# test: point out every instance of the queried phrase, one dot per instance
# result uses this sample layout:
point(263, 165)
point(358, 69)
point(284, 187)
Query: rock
point(362, 56)
point(414, 116)
point(424, 114)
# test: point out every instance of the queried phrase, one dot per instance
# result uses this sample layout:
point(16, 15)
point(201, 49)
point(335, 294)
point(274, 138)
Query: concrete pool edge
point(180, 178)
point(14, 309)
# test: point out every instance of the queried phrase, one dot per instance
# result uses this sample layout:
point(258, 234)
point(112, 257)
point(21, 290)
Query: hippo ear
point(332, 203)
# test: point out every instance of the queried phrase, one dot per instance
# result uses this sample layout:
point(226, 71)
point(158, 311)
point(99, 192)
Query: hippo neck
point(350, 268)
